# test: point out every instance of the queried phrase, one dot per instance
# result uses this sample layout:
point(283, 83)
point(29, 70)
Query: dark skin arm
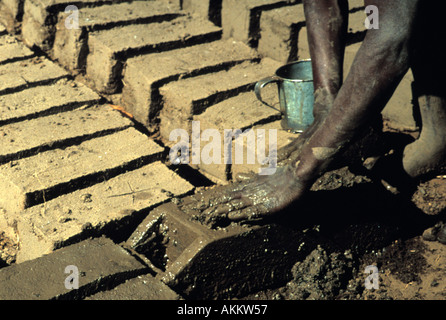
point(341, 114)
point(327, 23)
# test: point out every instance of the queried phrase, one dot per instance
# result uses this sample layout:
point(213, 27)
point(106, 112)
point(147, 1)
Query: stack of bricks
point(70, 165)
point(107, 33)
point(73, 168)
point(99, 264)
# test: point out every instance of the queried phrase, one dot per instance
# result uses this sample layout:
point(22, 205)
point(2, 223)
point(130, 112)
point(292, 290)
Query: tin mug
point(296, 94)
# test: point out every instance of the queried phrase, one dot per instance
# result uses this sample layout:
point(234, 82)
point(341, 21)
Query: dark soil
point(366, 225)
point(8, 250)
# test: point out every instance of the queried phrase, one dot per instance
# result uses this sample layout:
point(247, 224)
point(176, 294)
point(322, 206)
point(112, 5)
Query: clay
point(11, 50)
point(57, 171)
point(321, 276)
point(45, 100)
point(344, 211)
point(70, 45)
point(108, 49)
point(98, 261)
point(29, 73)
point(142, 79)
point(182, 101)
point(113, 207)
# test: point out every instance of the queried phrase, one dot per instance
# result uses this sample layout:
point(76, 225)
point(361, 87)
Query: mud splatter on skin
point(251, 200)
point(324, 153)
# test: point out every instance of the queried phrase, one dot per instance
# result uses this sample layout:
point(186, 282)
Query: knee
point(393, 40)
point(390, 46)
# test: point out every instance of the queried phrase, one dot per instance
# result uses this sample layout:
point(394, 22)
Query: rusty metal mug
point(296, 94)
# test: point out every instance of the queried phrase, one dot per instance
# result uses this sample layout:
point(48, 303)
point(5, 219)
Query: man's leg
point(379, 66)
point(381, 62)
point(427, 155)
point(327, 23)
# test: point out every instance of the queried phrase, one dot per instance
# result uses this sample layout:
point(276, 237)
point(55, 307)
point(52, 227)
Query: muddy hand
point(254, 199)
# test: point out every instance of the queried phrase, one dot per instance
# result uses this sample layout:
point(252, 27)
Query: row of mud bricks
point(83, 186)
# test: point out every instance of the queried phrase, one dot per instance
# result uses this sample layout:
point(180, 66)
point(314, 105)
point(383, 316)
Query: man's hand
point(250, 200)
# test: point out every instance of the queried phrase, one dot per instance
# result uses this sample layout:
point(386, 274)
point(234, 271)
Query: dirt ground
point(413, 269)
point(409, 266)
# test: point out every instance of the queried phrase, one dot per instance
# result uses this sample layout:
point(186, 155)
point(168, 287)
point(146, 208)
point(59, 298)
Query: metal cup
point(296, 94)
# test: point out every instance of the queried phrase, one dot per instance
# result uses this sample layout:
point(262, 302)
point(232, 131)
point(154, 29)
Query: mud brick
point(100, 264)
point(14, 6)
point(355, 4)
point(356, 21)
point(39, 178)
point(210, 9)
point(399, 110)
point(284, 34)
point(280, 33)
point(70, 45)
point(303, 49)
point(29, 137)
point(32, 72)
point(108, 207)
point(43, 10)
point(182, 99)
point(144, 287)
point(241, 112)
point(110, 48)
point(203, 263)
point(241, 19)
point(143, 77)
point(199, 7)
point(283, 138)
point(11, 50)
point(43, 100)
point(35, 34)
point(40, 18)
point(11, 12)
point(93, 18)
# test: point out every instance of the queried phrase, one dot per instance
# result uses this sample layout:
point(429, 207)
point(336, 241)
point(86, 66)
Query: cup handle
point(259, 86)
